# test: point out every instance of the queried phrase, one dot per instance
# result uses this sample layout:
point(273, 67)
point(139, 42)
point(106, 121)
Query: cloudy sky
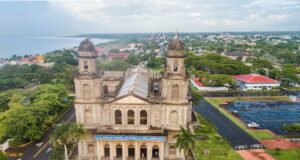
point(69, 17)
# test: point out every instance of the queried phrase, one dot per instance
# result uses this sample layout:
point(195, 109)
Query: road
point(225, 127)
point(41, 150)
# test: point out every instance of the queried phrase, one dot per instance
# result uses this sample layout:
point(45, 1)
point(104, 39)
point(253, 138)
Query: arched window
point(91, 149)
point(143, 117)
point(174, 118)
point(86, 91)
point(105, 90)
point(88, 117)
point(175, 66)
point(106, 151)
point(175, 92)
point(85, 66)
point(130, 117)
point(118, 117)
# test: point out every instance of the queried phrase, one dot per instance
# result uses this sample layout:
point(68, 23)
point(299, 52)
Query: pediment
point(130, 99)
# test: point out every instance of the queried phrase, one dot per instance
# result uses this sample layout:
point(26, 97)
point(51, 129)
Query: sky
point(72, 17)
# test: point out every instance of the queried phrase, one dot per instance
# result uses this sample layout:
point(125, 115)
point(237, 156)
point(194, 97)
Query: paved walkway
point(255, 154)
point(280, 143)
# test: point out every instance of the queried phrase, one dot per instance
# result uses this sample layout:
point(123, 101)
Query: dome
point(176, 44)
point(87, 46)
point(175, 48)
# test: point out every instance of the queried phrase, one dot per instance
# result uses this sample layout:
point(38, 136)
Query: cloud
point(106, 16)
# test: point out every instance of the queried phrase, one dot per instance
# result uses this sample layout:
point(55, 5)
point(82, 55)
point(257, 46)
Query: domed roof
point(87, 46)
point(176, 44)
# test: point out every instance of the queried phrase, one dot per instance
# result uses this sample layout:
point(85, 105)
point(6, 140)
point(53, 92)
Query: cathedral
point(133, 114)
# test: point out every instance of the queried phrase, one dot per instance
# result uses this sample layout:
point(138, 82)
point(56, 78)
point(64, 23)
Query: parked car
point(235, 113)
point(253, 125)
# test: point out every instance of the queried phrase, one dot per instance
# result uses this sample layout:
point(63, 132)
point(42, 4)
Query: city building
point(196, 82)
point(119, 55)
point(132, 114)
point(255, 82)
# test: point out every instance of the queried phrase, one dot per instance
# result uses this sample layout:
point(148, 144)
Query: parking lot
point(272, 115)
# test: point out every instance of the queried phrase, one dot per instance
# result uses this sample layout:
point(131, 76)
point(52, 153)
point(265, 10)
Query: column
point(80, 149)
point(149, 151)
point(180, 116)
point(95, 116)
point(137, 151)
point(124, 151)
point(98, 150)
point(112, 151)
point(161, 151)
point(168, 116)
point(137, 116)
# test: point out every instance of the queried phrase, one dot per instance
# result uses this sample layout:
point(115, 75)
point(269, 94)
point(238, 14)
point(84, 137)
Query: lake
point(39, 45)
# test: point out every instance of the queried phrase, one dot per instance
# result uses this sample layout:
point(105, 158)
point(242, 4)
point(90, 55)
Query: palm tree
point(185, 141)
point(67, 135)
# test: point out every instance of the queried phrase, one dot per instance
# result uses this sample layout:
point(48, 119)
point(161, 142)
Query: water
point(38, 45)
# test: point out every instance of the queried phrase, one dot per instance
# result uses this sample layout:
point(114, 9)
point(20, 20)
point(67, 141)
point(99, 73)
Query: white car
point(252, 125)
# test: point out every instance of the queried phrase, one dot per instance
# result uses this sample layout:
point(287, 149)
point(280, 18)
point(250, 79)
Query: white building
point(255, 82)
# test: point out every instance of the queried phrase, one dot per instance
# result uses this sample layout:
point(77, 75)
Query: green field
point(218, 147)
point(292, 154)
point(258, 134)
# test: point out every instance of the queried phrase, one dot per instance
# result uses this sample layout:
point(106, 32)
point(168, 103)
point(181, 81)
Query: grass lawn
point(218, 147)
point(258, 134)
point(291, 154)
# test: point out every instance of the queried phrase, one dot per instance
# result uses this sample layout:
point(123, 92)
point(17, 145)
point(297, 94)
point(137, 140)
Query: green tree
point(185, 141)
point(3, 156)
point(65, 134)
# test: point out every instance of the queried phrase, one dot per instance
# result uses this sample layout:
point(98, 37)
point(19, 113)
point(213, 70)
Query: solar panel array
point(272, 115)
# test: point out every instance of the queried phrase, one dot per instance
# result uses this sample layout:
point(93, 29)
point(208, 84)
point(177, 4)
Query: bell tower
point(87, 57)
point(175, 57)
point(87, 82)
point(175, 81)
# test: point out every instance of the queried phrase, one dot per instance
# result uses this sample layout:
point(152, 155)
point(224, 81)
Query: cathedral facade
point(133, 114)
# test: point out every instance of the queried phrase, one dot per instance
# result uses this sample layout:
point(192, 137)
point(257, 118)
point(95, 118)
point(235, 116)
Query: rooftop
point(136, 83)
point(254, 78)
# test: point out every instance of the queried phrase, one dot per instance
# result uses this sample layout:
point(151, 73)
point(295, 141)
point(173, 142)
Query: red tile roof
point(254, 78)
point(196, 80)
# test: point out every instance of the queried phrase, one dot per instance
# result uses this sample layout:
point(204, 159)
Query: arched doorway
point(106, 151)
point(143, 151)
point(155, 151)
point(119, 151)
point(143, 117)
point(131, 151)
